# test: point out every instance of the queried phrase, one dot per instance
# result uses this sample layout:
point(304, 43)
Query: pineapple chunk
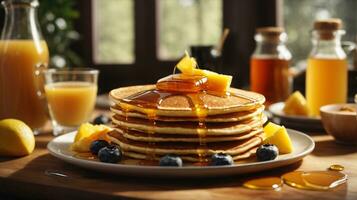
point(187, 64)
point(216, 83)
point(87, 133)
point(296, 105)
point(270, 129)
point(281, 139)
point(219, 83)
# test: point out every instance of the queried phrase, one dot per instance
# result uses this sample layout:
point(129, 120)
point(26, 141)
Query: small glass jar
point(327, 68)
point(269, 65)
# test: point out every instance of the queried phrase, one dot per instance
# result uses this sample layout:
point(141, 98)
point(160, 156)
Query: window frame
point(147, 67)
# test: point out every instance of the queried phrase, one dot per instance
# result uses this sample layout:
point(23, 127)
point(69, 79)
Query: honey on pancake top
point(182, 83)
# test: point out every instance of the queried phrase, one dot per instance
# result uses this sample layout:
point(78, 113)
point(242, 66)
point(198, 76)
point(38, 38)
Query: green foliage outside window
point(56, 18)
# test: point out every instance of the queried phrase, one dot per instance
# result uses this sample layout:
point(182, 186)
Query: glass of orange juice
point(71, 95)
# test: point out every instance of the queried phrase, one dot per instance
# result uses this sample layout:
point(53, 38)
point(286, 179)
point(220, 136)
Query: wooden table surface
point(27, 178)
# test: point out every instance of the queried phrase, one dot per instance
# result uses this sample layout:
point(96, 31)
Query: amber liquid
point(326, 83)
point(314, 180)
point(71, 103)
point(151, 100)
point(270, 77)
point(266, 183)
point(309, 180)
point(21, 83)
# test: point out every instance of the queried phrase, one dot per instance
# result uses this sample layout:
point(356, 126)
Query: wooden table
point(27, 178)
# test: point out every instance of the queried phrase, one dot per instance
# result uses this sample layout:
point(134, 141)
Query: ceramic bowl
point(339, 123)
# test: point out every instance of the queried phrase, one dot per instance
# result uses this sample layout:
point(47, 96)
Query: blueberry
point(221, 159)
point(267, 152)
point(110, 154)
point(171, 160)
point(101, 119)
point(96, 145)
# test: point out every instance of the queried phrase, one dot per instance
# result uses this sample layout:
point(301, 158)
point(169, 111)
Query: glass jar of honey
point(326, 73)
point(269, 65)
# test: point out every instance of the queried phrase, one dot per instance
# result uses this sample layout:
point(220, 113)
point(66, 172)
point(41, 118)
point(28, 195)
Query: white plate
point(303, 145)
point(294, 121)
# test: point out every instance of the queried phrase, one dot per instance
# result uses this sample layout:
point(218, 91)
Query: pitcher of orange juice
point(23, 55)
point(326, 73)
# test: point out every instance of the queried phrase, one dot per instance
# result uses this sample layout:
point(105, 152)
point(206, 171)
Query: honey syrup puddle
point(266, 183)
point(307, 180)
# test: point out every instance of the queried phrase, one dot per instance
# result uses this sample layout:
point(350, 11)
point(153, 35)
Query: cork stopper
point(270, 30)
point(327, 27)
point(271, 33)
point(332, 24)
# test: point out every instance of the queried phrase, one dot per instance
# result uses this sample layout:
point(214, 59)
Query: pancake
point(144, 137)
point(181, 148)
point(187, 128)
point(178, 105)
point(150, 123)
point(229, 117)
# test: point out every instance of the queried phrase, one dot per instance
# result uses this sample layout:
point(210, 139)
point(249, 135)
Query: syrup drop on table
point(314, 180)
point(336, 167)
point(266, 183)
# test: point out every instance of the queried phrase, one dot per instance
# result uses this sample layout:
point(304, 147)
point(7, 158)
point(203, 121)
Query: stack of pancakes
point(150, 123)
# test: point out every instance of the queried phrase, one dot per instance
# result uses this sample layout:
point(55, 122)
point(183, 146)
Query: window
point(113, 31)
point(187, 22)
point(139, 41)
point(300, 15)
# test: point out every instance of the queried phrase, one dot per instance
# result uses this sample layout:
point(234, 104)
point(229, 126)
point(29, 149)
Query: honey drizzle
point(200, 109)
point(152, 99)
point(151, 114)
point(149, 100)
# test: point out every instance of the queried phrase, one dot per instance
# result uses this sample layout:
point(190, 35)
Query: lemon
point(278, 136)
point(296, 105)
point(87, 133)
point(16, 138)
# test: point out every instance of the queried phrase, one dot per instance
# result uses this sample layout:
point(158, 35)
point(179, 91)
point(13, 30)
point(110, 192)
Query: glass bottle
point(269, 65)
point(23, 55)
point(326, 73)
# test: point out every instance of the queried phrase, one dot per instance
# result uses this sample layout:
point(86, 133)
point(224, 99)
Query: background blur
point(139, 41)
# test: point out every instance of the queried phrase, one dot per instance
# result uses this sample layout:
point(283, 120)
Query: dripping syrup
point(151, 155)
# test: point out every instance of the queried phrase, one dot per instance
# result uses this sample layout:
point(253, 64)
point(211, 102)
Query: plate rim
point(75, 161)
